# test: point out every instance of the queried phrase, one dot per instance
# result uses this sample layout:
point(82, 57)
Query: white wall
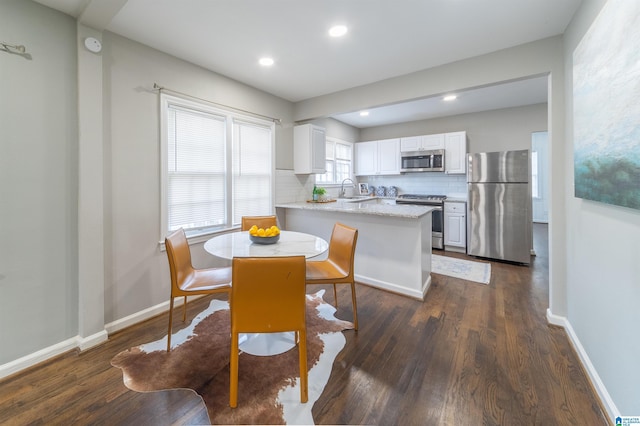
point(496, 130)
point(603, 263)
point(137, 273)
point(339, 130)
point(543, 57)
point(38, 180)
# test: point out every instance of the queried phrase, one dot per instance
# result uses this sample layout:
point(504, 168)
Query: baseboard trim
point(37, 357)
point(47, 353)
point(145, 314)
point(597, 383)
point(84, 343)
point(139, 316)
point(383, 285)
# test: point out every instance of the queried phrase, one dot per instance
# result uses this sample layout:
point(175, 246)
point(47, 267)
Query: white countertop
point(404, 210)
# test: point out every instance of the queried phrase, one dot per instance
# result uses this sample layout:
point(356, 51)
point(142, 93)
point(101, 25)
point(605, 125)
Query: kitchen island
point(394, 241)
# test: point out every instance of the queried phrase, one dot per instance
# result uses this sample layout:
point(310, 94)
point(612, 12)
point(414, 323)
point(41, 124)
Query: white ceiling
point(506, 95)
point(386, 38)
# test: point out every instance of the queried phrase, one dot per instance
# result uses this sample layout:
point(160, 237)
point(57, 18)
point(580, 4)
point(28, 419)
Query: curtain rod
point(156, 86)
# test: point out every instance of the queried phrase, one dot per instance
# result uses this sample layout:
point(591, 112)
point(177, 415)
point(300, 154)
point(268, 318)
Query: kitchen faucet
point(341, 195)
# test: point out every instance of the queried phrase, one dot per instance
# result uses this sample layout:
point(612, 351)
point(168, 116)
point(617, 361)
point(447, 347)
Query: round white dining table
point(238, 244)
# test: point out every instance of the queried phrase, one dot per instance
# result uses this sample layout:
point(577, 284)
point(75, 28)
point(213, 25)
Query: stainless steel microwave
point(422, 161)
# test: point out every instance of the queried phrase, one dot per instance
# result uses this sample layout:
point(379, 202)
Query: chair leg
point(335, 295)
point(302, 355)
point(233, 371)
point(355, 306)
point(170, 322)
point(184, 311)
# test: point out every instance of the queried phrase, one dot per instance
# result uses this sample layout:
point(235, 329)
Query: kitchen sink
point(355, 199)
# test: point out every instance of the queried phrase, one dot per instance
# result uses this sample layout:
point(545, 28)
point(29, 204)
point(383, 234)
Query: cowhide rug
point(268, 386)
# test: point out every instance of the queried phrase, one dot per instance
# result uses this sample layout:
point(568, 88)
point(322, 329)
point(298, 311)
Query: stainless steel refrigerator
point(499, 222)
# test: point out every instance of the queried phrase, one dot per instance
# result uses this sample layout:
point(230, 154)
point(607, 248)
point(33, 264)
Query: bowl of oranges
point(264, 235)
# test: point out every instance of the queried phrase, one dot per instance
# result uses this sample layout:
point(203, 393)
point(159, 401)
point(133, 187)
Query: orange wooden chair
point(338, 267)
point(187, 281)
point(260, 221)
point(268, 296)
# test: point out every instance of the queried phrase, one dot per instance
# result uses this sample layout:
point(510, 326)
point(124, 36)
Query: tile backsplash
point(422, 183)
point(295, 188)
point(291, 188)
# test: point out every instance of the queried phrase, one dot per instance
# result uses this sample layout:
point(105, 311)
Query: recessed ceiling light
point(338, 31)
point(266, 62)
point(449, 98)
point(364, 113)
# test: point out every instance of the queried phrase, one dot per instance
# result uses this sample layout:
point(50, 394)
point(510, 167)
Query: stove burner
point(422, 197)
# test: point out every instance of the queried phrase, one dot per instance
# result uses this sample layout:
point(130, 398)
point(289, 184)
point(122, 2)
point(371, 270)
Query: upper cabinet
point(455, 144)
point(378, 158)
point(366, 158)
point(422, 143)
point(389, 157)
point(309, 149)
point(384, 157)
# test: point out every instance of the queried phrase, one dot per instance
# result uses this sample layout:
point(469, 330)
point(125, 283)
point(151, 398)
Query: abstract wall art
point(606, 107)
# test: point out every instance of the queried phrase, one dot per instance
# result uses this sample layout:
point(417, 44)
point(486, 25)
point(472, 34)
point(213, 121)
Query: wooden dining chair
point(188, 281)
point(268, 296)
point(260, 221)
point(338, 267)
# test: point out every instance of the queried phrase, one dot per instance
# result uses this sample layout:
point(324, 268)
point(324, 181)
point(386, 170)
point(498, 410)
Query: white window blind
point(217, 166)
point(343, 160)
point(252, 165)
point(196, 169)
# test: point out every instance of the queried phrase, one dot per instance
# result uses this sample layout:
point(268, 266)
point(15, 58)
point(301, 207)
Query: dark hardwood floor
point(469, 354)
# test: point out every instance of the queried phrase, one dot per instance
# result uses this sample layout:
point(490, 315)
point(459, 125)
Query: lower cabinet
point(455, 226)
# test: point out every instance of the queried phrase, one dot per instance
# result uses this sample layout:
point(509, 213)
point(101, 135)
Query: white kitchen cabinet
point(309, 149)
point(411, 143)
point(378, 158)
point(366, 158)
point(389, 157)
point(433, 141)
point(422, 143)
point(455, 156)
point(455, 226)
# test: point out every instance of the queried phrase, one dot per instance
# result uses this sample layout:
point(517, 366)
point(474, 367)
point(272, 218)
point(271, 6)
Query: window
point(535, 180)
point(339, 162)
point(217, 166)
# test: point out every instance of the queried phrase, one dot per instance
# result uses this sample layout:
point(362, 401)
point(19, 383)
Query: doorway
point(540, 176)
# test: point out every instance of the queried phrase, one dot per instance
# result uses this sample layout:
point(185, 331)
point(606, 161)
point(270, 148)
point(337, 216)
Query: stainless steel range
point(437, 201)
